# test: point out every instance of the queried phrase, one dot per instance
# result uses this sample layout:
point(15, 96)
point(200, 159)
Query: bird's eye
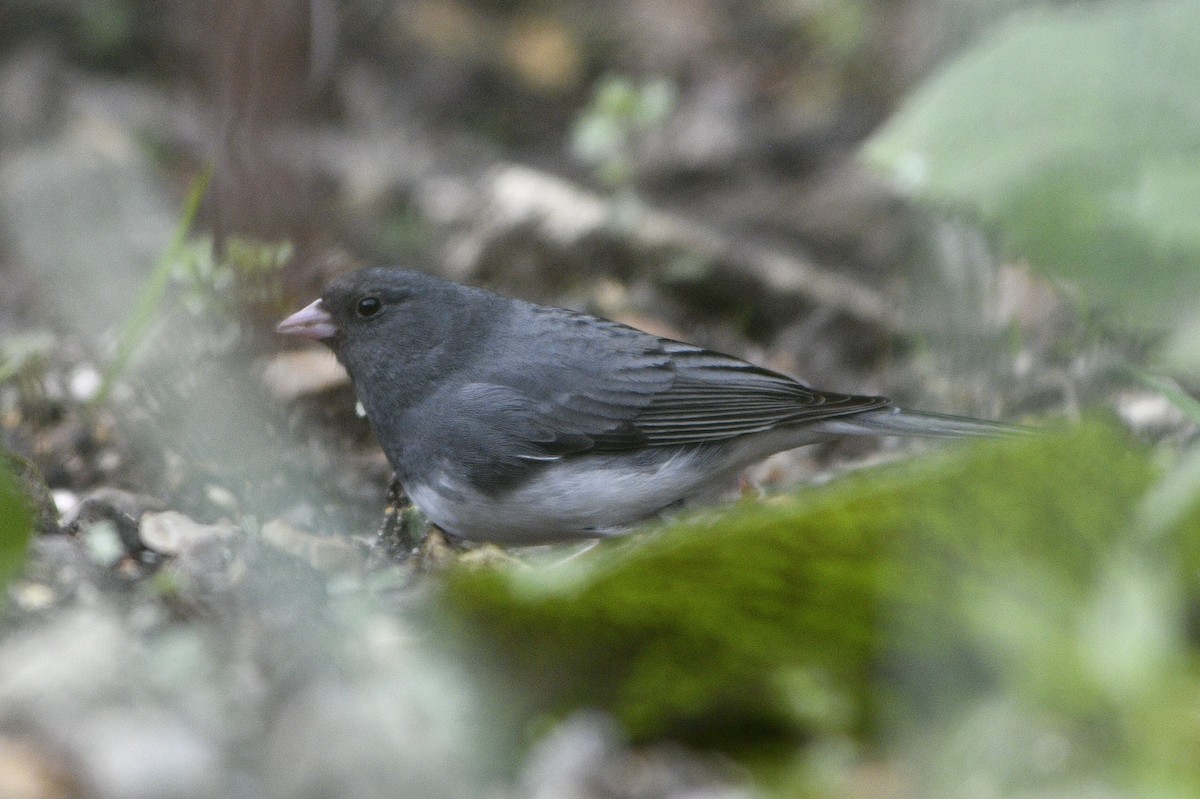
point(368, 307)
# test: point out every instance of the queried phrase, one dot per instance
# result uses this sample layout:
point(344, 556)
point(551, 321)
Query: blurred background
point(985, 207)
point(689, 168)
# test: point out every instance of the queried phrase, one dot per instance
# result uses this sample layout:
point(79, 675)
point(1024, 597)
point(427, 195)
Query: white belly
point(581, 498)
point(597, 495)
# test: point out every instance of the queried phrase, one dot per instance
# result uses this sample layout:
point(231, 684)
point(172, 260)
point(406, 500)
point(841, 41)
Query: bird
point(518, 424)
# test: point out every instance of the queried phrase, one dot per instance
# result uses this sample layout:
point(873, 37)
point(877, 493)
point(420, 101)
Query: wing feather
point(613, 388)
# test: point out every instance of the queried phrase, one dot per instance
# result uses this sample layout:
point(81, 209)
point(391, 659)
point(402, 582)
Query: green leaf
point(16, 527)
point(1073, 134)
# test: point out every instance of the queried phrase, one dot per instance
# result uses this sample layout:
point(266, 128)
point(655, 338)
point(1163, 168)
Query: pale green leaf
point(1073, 135)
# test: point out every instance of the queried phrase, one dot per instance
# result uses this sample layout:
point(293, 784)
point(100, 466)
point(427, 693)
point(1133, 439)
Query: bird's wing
point(715, 397)
point(607, 387)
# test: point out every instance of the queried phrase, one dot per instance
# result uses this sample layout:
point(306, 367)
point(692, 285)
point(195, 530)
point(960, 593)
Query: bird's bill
point(311, 321)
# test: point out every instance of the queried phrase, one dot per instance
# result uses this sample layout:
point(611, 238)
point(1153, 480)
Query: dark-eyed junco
point(519, 423)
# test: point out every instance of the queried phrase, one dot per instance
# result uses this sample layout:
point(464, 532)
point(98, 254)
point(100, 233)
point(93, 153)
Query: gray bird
point(518, 423)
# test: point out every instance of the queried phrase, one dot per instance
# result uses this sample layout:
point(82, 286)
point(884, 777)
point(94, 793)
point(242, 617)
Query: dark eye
point(368, 307)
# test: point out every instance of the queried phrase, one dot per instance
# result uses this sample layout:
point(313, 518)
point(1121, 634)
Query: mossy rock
point(811, 613)
point(35, 494)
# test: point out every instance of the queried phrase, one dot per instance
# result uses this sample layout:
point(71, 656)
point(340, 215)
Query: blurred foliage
point(837, 29)
point(886, 597)
point(246, 273)
point(1180, 354)
point(610, 130)
point(1009, 585)
point(202, 278)
point(16, 525)
point(257, 267)
point(1178, 493)
point(1070, 133)
point(137, 325)
point(104, 28)
point(21, 353)
point(404, 234)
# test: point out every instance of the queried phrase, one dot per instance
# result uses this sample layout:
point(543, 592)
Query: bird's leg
point(404, 528)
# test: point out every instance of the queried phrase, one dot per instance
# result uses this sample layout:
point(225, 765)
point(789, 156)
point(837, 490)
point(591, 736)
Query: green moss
point(814, 613)
point(16, 526)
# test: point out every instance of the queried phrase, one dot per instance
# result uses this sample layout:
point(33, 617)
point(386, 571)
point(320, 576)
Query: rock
point(29, 79)
point(31, 597)
point(519, 203)
point(322, 552)
point(83, 384)
point(107, 501)
point(31, 770)
point(373, 739)
point(144, 753)
point(65, 501)
point(221, 497)
point(586, 756)
point(50, 670)
point(1148, 412)
point(88, 215)
point(104, 544)
point(565, 763)
point(109, 509)
point(170, 532)
point(58, 570)
point(301, 373)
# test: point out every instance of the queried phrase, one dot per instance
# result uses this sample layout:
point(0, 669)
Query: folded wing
point(610, 388)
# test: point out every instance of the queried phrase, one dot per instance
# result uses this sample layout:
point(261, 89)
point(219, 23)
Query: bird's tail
point(899, 422)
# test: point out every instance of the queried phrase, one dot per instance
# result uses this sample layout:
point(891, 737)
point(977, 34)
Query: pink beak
point(311, 321)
